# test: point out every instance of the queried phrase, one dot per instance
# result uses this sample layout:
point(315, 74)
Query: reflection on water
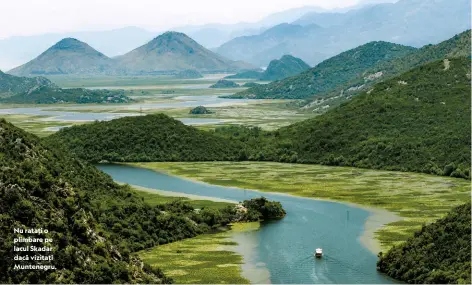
point(285, 248)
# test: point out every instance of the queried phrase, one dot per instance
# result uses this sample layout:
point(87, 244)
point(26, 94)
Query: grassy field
point(417, 198)
point(206, 259)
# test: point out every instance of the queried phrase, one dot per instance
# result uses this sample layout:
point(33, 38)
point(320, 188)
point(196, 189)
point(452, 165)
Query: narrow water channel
point(285, 248)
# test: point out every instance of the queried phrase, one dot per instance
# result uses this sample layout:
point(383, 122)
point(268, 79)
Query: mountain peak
point(69, 44)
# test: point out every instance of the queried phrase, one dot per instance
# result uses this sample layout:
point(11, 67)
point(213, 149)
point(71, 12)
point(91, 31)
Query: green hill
point(438, 254)
point(419, 121)
point(457, 46)
point(68, 56)
point(40, 90)
point(225, 84)
point(45, 188)
point(328, 74)
point(284, 67)
point(11, 85)
point(148, 138)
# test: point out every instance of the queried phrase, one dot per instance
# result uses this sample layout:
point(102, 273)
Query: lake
point(285, 248)
point(70, 113)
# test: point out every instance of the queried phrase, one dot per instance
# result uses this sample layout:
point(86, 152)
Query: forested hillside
point(438, 254)
point(148, 138)
point(419, 121)
point(95, 224)
point(42, 188)
point(330, 73)
point(457, 46)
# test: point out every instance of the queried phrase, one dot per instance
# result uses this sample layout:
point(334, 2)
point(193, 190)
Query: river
point(285, 248)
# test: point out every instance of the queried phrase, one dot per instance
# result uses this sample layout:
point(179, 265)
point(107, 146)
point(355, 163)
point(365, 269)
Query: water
point(285, 247)
point(68, 113)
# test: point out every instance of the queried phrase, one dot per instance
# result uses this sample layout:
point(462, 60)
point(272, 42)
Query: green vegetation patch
point(206, 259)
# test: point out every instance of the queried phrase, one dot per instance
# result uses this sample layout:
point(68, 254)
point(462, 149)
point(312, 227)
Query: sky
point(31, 17)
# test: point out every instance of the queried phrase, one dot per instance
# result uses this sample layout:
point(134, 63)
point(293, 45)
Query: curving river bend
point(284, 248)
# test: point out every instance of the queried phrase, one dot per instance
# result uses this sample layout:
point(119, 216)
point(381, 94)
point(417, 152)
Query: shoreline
point(377, 219)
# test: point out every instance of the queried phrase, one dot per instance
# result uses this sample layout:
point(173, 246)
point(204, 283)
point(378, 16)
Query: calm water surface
point(285, 247)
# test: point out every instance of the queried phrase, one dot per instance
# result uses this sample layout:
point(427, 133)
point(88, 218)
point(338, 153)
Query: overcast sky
point(29, 17)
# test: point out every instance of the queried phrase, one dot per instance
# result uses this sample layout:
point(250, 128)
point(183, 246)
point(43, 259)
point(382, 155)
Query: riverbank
point(205, 259)
point(414, 198)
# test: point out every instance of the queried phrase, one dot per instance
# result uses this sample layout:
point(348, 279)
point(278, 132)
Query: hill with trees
point(145, 138)
point(457, 46)
point(278, 69)
point(11, 85)
point(438, 254)
point(225, 84)
point(419, 121)
point(96, 225)
point(284, 67)
point(45, 188)
point(40, 90)
point(328, 74)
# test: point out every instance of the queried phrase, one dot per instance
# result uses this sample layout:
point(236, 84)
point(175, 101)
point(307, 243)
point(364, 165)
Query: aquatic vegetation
point(206, 259)
point(417, 198)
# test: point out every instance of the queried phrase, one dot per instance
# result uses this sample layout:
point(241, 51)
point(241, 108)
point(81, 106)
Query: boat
point(318, 253)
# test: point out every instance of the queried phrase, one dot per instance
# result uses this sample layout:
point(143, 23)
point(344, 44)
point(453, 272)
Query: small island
point(189, 74)
point(251, 84)
point(225, 84)
point(200, 110)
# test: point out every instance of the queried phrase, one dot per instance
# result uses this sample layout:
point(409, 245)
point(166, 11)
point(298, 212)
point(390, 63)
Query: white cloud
point(27, 17)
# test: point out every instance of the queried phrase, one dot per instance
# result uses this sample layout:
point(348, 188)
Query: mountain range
point(354, 71)
point(170, 52)
point(408, 22)
point(173, 51)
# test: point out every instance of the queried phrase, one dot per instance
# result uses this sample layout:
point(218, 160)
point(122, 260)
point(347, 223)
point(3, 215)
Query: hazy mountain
point(68, 56)
point(408, 22)
point(273, 43)
point(15, 51)
point(174, 51)
point(214, 35)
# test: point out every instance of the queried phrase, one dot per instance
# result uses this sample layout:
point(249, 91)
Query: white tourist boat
point(318, 253)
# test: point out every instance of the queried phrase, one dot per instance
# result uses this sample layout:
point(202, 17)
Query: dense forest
point(147, 138)
point(419, 121)
point(438, 254)
point(95, 224)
